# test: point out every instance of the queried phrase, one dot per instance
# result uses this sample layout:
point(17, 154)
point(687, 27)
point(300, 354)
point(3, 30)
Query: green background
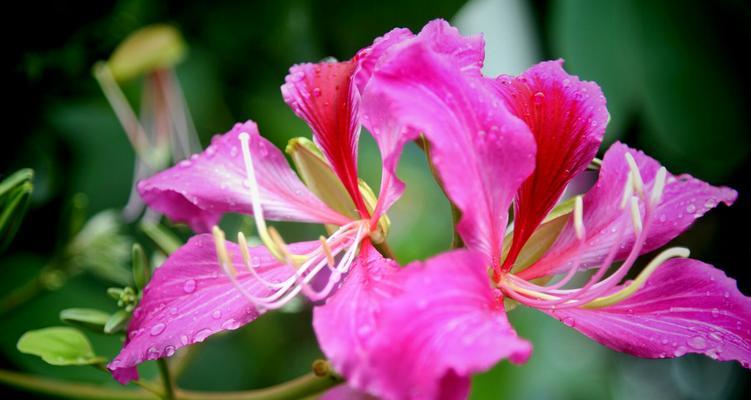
point(674, 75)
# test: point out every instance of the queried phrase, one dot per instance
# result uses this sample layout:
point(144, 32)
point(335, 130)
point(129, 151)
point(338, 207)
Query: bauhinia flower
point(521, 140)
point(210, 285)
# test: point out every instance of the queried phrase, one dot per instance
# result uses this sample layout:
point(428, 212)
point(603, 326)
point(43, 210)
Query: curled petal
point(200, 190)
point(567, 118)
point(189, 299)
point(447, 324)
point(481, 151)
point(686, 306)
point(683, 200)
point(347, 322)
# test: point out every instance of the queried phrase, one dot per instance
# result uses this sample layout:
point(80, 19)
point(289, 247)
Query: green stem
point(307, 385)
point(167, 383)
point(22, 294)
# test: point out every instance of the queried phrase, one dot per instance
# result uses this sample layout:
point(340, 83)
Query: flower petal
point(198, 191)
point(346, 323)
point(567, 118)
point(480, 150)
point(325, 96)
point(447, 324)
point(466, 52)
point(345, 392)
point(686, 306)
point(684, 199)
point(189, 299)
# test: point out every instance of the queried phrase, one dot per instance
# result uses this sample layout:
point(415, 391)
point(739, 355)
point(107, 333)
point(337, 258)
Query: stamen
point(327, 251)
point(578, 218)
point(636, 215)
point(637, 283)
point(225, 262)
point(658, 188)
point(244, 249)
point(628, 191)
point(638, 182)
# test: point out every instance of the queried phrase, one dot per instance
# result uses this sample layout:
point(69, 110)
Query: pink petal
point(567, 118)
point(448, 324)
point(347, 322)
point(325, 97)
point(345, 392)
point(481, 151)
point(686, 306)
point(200, 190)
point(684, 199)
point(189, 299)
point(466, 52)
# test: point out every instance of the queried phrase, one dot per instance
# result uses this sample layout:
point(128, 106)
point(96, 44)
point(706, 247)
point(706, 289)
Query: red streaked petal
point(567, 118)
point(325, 97)
point(686, 306)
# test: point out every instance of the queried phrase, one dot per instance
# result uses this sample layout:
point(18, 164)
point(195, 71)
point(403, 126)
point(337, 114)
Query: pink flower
point(520, 140)
point(210, 285)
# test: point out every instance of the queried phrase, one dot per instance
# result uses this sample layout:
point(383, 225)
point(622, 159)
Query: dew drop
point(691, 209)
point(715, 312)
point(679, 351)
point(202, 335)
point(538, 98)
point(173, 310)
point(726, 294)
point(569, 321)
point(230, 324)
point(317, 92)
point(153, 353)
point(157, 329)
point(184, 340)
point(216, 314)
point(697, 342)
point(663, 218)
point(189, 286)
point(664, 341)
point(169, 351)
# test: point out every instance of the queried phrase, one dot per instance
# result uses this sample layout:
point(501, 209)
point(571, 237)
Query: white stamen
point(658, 188)
point(578, 217)
point(628, 191)
point(638, 182)
point(243, 243)
point(636, 215)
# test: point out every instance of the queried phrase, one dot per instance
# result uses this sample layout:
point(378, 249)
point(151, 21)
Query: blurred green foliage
point(671, 72)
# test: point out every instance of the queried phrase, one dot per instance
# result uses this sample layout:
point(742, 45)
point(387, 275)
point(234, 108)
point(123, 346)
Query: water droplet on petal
point(538, 98)
point(569, 321)
point(184, 340)
point(679, 351)
point(715, 312)
point(169, 351)
point(157, 329)
point(202, 335)
point(189, 286)
point(153, 353)
point(216, 314)
point(317, 92)
point(230, 324)
point(697, 342)
point(690, 208)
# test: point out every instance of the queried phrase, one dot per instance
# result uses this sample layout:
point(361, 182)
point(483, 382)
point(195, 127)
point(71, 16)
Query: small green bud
point(141, 268)
point(117, 321)
point(85, 317)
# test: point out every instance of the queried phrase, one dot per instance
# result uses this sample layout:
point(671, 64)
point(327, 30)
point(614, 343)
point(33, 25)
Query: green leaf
point(117, 322)
point(15, 195)
point(141, 268)
point(88, 318)
point(59, 346)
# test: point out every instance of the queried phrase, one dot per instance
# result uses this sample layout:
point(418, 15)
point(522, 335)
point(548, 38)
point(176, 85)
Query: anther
point(243, 243)
point(578, 217)
point(659, 187)
point(327, 251)
point(221, 252)
point(638, 182)
point(636, 215)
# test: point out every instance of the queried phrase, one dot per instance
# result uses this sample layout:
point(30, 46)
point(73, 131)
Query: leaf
point(117, 322)
point(141, 268)
point(86, 318)
point(15, 195)
point(59, 346)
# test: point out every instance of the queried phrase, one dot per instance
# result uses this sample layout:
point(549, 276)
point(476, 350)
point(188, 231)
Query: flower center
point(599, 290)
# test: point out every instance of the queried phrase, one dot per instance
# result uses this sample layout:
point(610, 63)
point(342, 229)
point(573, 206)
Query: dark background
point(674, 73)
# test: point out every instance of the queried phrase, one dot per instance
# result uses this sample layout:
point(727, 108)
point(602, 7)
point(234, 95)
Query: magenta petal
point(189, 299)
point(345, 392)
point(347, 322)
point(481, 151)
point(685, 199)
point(447, 324)
point(198, 191)
point(686, 306)
point(567, 118)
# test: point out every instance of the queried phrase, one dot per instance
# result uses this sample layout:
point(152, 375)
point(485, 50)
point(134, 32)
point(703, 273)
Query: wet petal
point(686, 306)
point(684, 199)
point(345, 392)
point(200, 190)
point(189, 298)
point(481, 151)
point(567, 118)
point(325, 96)
point(347, 322)
point(447, 324)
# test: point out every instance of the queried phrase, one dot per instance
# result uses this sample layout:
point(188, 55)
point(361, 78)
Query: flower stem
point(169, 386)
point(322, 378)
